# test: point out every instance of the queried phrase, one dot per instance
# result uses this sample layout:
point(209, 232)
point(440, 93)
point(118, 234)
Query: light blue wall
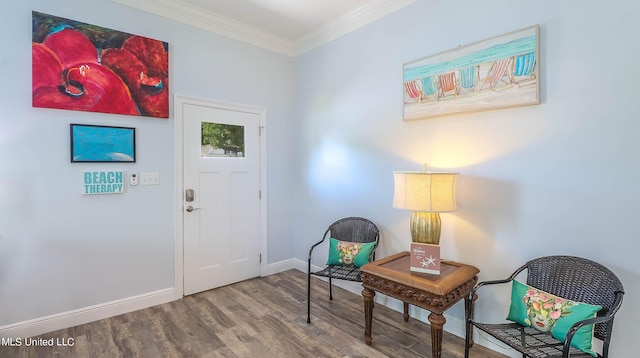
point(557, 178)
point(60, 250)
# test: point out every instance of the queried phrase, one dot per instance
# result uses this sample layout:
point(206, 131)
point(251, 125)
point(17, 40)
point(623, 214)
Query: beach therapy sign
point(111, 182)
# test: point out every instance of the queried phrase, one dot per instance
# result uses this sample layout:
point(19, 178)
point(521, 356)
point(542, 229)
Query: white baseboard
point(68, 319)
point(282, 266)
point(41, 325)
point(76, 317)
point(73, 318)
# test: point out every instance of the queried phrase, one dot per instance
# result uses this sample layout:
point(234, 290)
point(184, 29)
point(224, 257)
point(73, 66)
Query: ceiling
point(287, 18)
point(290, 27)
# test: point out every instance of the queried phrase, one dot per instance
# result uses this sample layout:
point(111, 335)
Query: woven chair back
point(354, 229)
point(577, 279)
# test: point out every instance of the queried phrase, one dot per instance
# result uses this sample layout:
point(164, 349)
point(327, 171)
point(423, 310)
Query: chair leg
point(308, 297)
point(330, 290)
point(467, 337)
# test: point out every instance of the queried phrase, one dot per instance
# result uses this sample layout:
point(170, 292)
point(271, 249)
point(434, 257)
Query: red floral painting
point(82, 67)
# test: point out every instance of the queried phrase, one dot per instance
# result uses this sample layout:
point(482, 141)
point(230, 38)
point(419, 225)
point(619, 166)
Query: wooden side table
point(435, 293)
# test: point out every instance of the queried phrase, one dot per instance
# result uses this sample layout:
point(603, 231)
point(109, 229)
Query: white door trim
point(179, 102)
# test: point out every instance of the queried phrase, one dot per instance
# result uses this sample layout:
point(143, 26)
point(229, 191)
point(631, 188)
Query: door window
point(222, 140)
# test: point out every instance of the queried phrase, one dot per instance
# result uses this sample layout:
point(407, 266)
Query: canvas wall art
point(77, 66)
point(495, 73)
point(92, 144)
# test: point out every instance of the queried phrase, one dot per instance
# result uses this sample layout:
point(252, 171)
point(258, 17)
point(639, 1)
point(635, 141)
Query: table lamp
point(427, 195)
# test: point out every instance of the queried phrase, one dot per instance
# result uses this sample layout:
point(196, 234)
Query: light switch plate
point(149, 178)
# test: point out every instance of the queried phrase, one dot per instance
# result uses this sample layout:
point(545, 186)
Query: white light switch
point(149, 178)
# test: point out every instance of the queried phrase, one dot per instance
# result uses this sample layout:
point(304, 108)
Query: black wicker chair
point(353, 229)
point(574, 278)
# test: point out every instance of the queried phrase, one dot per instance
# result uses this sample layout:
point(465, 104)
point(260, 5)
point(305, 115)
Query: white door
point(221, 201)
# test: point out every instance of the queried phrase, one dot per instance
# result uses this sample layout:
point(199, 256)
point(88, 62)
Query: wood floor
point(263, 317)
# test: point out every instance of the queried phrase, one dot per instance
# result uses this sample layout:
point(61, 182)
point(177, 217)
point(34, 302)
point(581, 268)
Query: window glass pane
point(222, 140)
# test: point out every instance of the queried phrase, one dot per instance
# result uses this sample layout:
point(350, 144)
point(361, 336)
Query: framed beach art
point(499, 72)
point(95, 144)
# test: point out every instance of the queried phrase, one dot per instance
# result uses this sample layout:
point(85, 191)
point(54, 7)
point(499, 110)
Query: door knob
point(191, 208)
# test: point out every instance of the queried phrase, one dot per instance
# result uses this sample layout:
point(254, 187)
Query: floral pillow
point(551, 314)
point(349, 253)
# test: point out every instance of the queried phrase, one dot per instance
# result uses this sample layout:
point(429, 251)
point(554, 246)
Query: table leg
point(368, 295)
point(406, 312)
point(437, 321)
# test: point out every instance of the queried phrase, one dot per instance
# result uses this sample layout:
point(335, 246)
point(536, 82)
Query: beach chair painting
point(413, 91)
point(468, 78)
point(447, 84)
point(498, 72)
point(429, 88)
point(523, 68)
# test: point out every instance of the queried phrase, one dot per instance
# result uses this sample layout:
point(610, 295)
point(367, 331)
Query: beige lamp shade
point(425, 192)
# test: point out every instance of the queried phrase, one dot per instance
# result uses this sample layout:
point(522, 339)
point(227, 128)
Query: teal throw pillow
point(549, 313)
point(349, 253)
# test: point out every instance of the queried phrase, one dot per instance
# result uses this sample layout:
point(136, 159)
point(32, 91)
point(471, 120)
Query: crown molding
point(224, 26)
point(209, 21)
point(347, 23)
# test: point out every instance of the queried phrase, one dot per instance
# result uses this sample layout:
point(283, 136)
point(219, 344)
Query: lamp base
point(425, 227)
point(425, 258)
